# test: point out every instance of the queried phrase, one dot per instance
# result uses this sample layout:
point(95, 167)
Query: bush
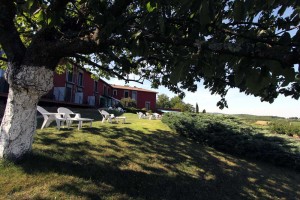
point(285, 128)
point(133, 110)
point(230, 135)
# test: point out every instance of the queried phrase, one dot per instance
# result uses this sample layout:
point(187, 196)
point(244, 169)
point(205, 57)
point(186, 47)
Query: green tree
point(175, 102)
point(128, 102)
point(197, 108)
point(163, 101)
point(187, 107)
point(245, 44)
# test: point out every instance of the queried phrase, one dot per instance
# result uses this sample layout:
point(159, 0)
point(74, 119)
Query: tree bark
point(27, 85)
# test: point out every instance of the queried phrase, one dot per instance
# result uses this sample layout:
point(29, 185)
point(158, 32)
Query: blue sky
point(238, 103)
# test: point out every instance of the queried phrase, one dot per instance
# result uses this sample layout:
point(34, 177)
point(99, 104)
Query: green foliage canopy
point(252, 45)
point(163, 101)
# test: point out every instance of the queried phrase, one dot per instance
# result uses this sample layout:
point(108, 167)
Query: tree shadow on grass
point(246, 143)
point(163, 167)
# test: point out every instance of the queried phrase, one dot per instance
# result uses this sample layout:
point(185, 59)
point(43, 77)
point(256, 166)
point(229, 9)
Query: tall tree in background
point(187, 107)
point(176, 102)
point(163, 101)
point(197, 108)
point(251, 44)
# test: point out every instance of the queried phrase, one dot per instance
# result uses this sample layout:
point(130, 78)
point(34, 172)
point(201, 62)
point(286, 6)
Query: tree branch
point(110, 71)
point(9, 36)
point(256, 39)
point(248, 50)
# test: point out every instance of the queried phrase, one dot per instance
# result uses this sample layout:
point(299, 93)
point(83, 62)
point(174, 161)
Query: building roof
point(131, 88)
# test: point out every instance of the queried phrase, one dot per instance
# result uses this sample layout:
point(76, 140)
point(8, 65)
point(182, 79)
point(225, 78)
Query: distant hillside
point(257, 118)
point(248, 116)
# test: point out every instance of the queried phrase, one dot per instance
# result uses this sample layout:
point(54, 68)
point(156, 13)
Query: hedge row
point(230, 135)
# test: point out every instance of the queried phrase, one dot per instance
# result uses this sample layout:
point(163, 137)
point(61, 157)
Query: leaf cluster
point(251, 45)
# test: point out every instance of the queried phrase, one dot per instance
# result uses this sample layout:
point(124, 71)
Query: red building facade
point(77, 86)
point(143, 98)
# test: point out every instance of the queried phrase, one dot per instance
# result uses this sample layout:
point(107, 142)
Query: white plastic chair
point(59, 120)
point(106, 116)
point(120, 109)
point(157, 116)
point(66, 113)
point(141, 115)
point(48, 117)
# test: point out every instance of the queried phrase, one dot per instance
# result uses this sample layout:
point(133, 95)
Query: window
point(104, 90)
point(147, 105)
point(95, 86)
point(108, 91)
point(69, 76)
point(134, 95)
point(80, 79)
point(126, 94)
point(115, 92)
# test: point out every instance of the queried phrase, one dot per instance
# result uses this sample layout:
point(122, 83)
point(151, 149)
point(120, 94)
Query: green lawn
point(141, 159)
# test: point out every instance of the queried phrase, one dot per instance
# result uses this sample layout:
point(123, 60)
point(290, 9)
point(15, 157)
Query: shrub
point(230, 135)
point(285, 128)
point(133, 110)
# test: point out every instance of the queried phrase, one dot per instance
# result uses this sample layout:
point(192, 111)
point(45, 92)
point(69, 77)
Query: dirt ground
point(262, 123)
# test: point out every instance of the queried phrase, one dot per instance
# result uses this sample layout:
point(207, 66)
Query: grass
point(141, 159)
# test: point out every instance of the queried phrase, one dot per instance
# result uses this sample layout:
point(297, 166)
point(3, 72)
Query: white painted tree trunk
point(18, 125)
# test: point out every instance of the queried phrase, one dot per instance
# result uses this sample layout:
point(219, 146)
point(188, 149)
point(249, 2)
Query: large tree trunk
point(27, 85)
